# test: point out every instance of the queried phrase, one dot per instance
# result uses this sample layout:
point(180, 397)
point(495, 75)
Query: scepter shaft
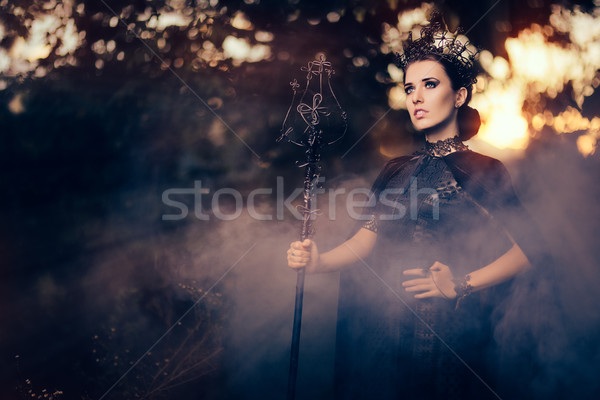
point(310, 172)
point(291, 393)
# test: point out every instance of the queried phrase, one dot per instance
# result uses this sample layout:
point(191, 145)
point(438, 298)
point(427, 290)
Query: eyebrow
point(423, 80)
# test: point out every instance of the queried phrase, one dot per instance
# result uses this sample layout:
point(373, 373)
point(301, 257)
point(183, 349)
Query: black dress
point(457, 209)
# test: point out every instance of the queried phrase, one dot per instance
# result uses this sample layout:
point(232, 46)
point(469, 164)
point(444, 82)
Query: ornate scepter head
point(315, 116)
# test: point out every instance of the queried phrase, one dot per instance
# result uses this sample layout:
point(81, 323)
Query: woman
point(421, 276)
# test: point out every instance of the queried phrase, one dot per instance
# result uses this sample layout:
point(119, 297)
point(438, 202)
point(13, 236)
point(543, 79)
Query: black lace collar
point(442, 148)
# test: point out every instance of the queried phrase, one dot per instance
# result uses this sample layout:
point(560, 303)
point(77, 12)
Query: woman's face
point(430, 99)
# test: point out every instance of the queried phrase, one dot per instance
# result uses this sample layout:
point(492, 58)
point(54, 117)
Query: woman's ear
point(461, 97)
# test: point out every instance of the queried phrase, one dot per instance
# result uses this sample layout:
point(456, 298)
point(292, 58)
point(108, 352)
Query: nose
point(417, 95)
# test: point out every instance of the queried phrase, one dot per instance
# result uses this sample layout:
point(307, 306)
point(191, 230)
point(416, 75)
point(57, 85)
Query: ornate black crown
point(437, 41)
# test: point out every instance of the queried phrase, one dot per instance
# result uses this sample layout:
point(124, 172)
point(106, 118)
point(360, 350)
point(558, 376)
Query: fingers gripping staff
point(303, 255)
point(314, 119)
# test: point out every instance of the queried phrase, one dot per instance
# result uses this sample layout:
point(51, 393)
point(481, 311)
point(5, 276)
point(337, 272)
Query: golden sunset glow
point(586, 144)
point(570, 121)
point(45, 33)
point(502, 123)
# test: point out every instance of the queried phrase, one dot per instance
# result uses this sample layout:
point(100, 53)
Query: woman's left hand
point(435, 282)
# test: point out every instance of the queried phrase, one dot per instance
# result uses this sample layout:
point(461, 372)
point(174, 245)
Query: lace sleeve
point(371, 223)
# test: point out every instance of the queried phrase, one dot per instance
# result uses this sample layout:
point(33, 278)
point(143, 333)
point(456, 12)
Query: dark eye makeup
point(430, 83)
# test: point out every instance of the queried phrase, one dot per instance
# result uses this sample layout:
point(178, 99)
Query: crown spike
point(437, 40)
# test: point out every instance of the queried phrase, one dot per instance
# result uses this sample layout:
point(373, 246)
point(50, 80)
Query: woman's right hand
point(304, 255)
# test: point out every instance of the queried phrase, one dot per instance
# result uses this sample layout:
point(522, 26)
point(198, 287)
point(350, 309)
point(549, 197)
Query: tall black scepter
point(318, 121)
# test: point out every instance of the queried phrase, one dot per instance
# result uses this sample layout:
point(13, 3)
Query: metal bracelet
point(463, 288)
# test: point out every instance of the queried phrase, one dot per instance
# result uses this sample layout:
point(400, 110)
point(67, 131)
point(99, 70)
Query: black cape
point(526, 321)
